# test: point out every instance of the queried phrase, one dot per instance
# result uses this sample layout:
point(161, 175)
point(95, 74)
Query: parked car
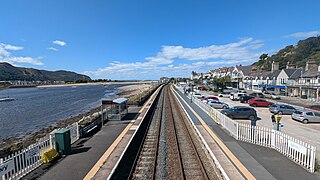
point(306, 116)
point(241, 90)
point(218, 104)
point(242, 112)
point(281, 109)
point(314, 107)
point(245, 98)
point(206, 99)
point(256, 94)
point(197, 95)
point(236, 96)
point(267, 95)
point(224, 94)
point(213, 97)
point(271, 95)
point(259, 102)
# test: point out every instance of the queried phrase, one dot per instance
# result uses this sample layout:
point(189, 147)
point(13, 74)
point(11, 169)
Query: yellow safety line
point(105, 155)
point(233, 158)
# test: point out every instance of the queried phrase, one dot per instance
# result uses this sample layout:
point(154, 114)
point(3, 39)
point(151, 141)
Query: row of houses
point(291, 81)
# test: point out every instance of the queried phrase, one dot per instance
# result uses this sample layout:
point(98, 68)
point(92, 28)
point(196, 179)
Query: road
point(308, 133)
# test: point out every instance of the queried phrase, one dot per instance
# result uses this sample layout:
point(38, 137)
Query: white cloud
point(59, 43)
point(53, 49)
point(303, 34)
point(190, 59)
point(6, 56)
point(10, 47)
point(238, 50)
point(28, 60)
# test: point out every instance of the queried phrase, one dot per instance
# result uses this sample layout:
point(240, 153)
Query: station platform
point(261, 162)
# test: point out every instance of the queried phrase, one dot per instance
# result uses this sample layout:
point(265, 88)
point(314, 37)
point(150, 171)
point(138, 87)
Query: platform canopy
point(115, 101)
point(120, 100)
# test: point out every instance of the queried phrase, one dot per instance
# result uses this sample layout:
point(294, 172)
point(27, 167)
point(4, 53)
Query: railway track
point(171, 148)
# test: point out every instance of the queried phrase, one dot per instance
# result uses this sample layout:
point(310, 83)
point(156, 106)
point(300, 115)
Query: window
point(309, 113)
point(245, 109)
point(283, 107)
point(298, 112)
point(317, 114)
point(290, 107)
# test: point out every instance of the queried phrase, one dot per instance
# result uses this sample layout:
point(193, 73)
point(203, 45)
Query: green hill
point(9, 72)
point(298, 54)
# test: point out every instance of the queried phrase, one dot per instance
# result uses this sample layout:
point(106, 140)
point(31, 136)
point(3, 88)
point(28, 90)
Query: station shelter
point(114, 109)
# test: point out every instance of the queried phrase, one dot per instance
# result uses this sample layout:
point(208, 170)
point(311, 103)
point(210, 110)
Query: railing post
point(313, 158)
point(237, 135)
point(273, 138)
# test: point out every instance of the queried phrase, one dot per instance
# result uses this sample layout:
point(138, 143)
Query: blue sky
point(147, 39)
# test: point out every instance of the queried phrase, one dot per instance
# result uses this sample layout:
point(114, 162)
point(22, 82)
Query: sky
point(148, 39)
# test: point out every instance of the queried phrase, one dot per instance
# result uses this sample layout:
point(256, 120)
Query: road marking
point(233, 158)
point(106, 154)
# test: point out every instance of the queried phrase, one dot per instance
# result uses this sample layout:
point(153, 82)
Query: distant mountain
point(297, 55)
point(9, 72)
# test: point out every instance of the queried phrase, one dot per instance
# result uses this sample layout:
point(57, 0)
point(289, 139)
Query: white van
point(236, 96)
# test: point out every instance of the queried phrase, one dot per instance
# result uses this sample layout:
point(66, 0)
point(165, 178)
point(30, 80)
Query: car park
point(281, 109)
point(313, 107)
point(240, 112)
point(236, 96)
point(306, 116)
point(218, 104)
point(245, 98)
point(224, 94)
point(257, 95)
point(257, 102)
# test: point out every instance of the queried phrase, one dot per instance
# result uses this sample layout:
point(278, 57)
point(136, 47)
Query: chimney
point(290, 66)
point(310, 64)
point(274, 66)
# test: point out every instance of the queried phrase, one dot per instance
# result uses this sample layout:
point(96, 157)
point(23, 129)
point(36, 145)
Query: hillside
point(9, 72)
point(298, 54)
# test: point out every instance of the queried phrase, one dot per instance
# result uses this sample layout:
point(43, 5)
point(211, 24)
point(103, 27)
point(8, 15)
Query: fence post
point(237, 135)
point(273, 138)
point(313, 158)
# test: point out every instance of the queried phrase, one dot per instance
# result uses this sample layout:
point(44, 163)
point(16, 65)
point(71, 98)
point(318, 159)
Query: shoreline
point(93, 84)
point(74, 84)
point(11, 144)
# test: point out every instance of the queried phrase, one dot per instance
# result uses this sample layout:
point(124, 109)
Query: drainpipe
point(317, 94)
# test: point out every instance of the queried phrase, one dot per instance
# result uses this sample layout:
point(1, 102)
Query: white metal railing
point(19, 164)
point(22, 162)
point(297, 150)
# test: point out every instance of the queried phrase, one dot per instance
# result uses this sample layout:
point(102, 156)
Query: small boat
point(3, 99)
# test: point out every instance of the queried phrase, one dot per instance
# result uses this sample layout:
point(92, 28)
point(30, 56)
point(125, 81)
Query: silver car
point(217, 104)
point(306, 116)
point(281, 109)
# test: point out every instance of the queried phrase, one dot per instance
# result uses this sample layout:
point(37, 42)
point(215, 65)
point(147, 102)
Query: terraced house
point(290, 81)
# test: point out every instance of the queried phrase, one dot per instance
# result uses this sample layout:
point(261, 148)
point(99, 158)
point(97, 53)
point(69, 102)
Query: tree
point(263, 56)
